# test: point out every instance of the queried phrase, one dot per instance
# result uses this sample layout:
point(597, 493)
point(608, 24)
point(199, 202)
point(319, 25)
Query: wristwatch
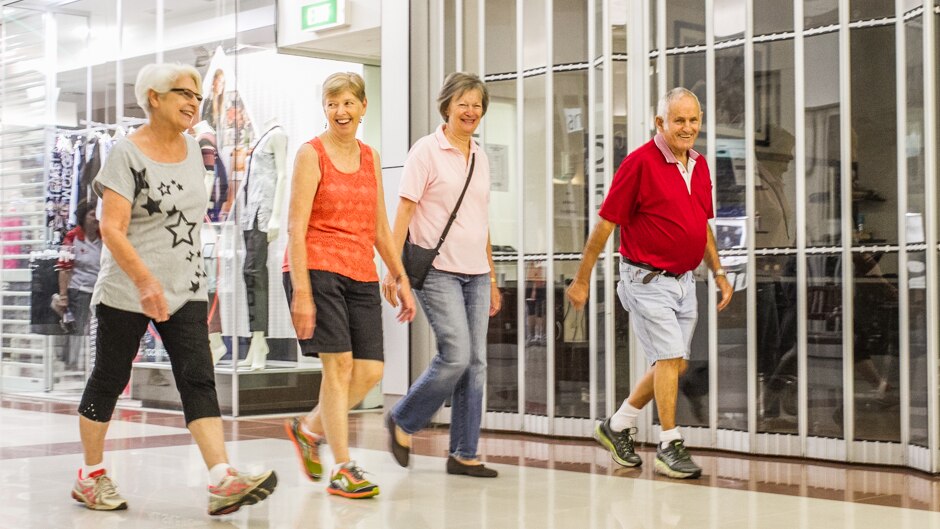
point(720, 272)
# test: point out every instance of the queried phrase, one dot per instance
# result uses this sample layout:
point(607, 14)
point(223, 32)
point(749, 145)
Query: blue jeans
point(458, 307)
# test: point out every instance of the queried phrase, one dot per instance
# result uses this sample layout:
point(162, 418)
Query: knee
point(338, 369)
point(370, 375)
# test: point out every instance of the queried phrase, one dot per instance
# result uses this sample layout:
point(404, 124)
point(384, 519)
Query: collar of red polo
point(660, 142)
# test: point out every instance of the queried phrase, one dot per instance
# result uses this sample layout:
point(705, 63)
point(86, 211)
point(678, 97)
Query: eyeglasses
point(188, 94)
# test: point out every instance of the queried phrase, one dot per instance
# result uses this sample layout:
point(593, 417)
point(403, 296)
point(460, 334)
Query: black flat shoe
point(400, 452)
point(474, 471)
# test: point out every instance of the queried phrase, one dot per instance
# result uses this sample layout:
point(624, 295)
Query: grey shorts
point(663, 311)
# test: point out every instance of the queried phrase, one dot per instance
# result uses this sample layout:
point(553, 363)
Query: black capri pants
point(186, 338)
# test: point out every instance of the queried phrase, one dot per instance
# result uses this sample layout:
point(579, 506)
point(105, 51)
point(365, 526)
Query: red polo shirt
point(661, 222)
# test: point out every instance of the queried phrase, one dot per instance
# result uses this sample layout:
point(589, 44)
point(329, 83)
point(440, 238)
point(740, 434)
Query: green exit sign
point(324, 14)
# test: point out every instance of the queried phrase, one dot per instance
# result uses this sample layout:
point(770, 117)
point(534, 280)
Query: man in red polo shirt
point(661, 198)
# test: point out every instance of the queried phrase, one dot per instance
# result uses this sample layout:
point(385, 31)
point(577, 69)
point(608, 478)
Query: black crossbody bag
point(418, 259)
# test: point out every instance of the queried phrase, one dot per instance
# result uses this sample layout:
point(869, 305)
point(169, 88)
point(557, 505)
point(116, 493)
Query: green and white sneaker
point(349, 482)
point(620, 444)
point(308, 449)
point(674, 461)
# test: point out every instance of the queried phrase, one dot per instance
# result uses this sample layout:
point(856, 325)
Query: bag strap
point(453, 215)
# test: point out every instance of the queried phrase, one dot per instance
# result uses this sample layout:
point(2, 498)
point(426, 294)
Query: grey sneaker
point(620, 444)
point(674, 461)
point(237, 489)
point(98, 492)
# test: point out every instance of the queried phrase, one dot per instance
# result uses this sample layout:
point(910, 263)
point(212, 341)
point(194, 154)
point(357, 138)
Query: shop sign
point(325, 14)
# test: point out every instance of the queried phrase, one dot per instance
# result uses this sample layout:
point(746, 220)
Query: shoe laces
point(356, 472)
point(624, 439)
point(679, 447)
point(104, 486)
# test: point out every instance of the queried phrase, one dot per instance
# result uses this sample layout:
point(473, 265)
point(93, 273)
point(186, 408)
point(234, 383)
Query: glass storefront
point(67, 96)
point(814, 129)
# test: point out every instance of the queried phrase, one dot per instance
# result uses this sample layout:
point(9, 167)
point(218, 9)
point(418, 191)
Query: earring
point(360, 120)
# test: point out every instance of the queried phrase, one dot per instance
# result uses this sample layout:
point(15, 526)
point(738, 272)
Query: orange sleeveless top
point(341, 229)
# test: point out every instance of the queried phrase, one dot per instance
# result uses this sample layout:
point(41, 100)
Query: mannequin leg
point(217, 346)
point(257, 356)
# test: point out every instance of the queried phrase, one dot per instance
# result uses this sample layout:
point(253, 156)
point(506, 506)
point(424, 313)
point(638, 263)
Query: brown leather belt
point(653, 271)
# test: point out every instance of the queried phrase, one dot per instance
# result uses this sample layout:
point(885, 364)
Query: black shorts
point(349, 316)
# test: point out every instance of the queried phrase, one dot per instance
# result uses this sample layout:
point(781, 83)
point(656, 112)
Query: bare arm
point(395, 286)
point(714, 263)
point(304, 185)
point(496, 298)
point(115, 219)
point(577, 292)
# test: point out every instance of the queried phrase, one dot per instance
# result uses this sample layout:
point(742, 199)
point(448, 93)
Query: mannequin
point(205, 135)
point(265, 185)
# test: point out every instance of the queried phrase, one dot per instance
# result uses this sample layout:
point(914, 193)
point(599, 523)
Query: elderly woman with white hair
point(153, 201)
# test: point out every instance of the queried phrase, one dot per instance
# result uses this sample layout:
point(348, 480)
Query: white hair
point(673, 95)
point(160, 78)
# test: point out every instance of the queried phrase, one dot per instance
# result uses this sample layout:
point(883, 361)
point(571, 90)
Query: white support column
point(549, 223)
point(711, 139)
point(590, 179)
point(799, 153)
point(520, 212)
point(396, 136)
point(930, 192)
point(750, 169)
point(848, 286)
point(904, 353)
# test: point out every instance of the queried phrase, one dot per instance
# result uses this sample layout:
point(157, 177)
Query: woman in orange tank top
point(337, 215)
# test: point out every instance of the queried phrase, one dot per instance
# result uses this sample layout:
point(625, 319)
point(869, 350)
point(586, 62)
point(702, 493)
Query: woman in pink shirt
point(460, 293)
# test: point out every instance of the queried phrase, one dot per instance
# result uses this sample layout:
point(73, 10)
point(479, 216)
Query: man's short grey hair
point(671, 97)
point(160, 78)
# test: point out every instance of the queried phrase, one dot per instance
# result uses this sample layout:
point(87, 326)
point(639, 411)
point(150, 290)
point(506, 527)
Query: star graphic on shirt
point(194, 286)
point(190, 256)
point(182, 230)
point(164, 189)
point(152, 206)
point(177, 184)
point(140, 180)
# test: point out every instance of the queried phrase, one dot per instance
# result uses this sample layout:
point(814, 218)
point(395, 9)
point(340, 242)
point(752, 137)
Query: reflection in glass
point(572, 355)
point(773, 16)
point(534, 34)
point(500, 36)
point(569, 26)
point(775, 191)
point(685, 23)
point(694, 391)
point(688, 70)
point(570, 120)
point(874, 131)
point(502, 351)
point(877, 406)
point(600, 298)
point(622, 330)
point(730, 228)
point(776, 343)
point(499, 134)
point(823, 155)
point(450, 37)
point(536, 343)
point(868, 9)
point(730, 17)
point(824, 344)
point(917, 321)
point(818, 13)
point(534, 159)
point(471, 36)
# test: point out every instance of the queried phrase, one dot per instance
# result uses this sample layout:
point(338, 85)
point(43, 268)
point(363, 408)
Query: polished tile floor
point(543, 483)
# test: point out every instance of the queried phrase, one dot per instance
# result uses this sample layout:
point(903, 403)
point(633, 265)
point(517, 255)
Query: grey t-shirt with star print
point(168, 202)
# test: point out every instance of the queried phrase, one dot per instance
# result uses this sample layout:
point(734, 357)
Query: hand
point(390, 289)
point(303, 314)
point(496, 299)
point(274, 229)
point(577, 294)
point(726, 292)
point(152, 300)
point(60, 303)
point(407, 312)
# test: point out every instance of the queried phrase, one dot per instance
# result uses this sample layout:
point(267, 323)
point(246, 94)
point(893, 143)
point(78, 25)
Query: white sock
point(218, 472)
point(88, 469)
point(624, 418)
point(668, 436)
